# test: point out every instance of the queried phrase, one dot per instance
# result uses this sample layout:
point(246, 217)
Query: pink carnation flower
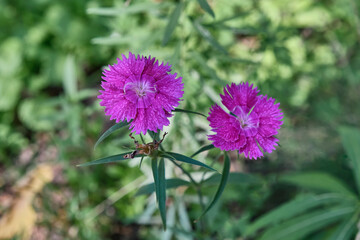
point(253, 122)
point(142, 90)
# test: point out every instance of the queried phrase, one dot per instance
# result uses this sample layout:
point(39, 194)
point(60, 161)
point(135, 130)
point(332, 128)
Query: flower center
point(249, 123)
point(141, 88)
point(243, 123)
point(140, 91)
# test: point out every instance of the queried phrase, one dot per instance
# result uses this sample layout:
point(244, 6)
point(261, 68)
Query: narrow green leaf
point(182, 158)
point(187, 111)
point(234, 178)
point(300, 227)
point(245, 30)
point(154, 167)
point(204, 5)
point(111, 159)
point(69, 77)
point(162, 191)
point(293, 208)
point(132, 9)
point(203, 149)
point(222, 185)
point(346, 230)
point(318, 181)
point(350, 138)
point(110, 131)
point(208, 37)
point(224, 20)
point(170, 183)
point(173, 21)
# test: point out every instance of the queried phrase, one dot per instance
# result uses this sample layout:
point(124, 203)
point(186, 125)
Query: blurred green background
point(305, 54)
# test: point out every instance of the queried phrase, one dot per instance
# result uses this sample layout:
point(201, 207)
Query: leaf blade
point(173, 21)
point(132, 9)
point(346, 229)
point(205, 5)
point(162, 191)
point(69, 78)
point(183, 158)
point(300, 227)
point(203, 149)
point(110, 131)
point(350, 138)
point(291, 209)
point(154, 168)
point(188, 111)
point(319, 181)
point(205, 33)
point(110, 159)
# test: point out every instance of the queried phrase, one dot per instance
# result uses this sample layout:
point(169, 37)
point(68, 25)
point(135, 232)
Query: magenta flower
point(142, 90)
point(253, 122)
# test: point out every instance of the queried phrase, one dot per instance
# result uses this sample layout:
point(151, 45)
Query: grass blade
point(293, 208)
point(203, 149)
point(69, 78)
point(111, 159)
point(346, 230)
point(318, 181)
point(182, 158)
point(173, 21)
point(154, 167)
point(300, 227)
point(188, 111)
point(132, 9)
point(162, 191)
point(350, 138)
point(204, 5)
point(170, 183)
point(224, 178)
point(208, 37)
point(110, 131)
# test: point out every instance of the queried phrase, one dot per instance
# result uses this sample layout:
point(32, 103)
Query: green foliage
point(204, 5)
point(292, 209)
point(339, 204)
point(351, 141)
point(173, 21)
point(300, 227)
point(318, 181)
